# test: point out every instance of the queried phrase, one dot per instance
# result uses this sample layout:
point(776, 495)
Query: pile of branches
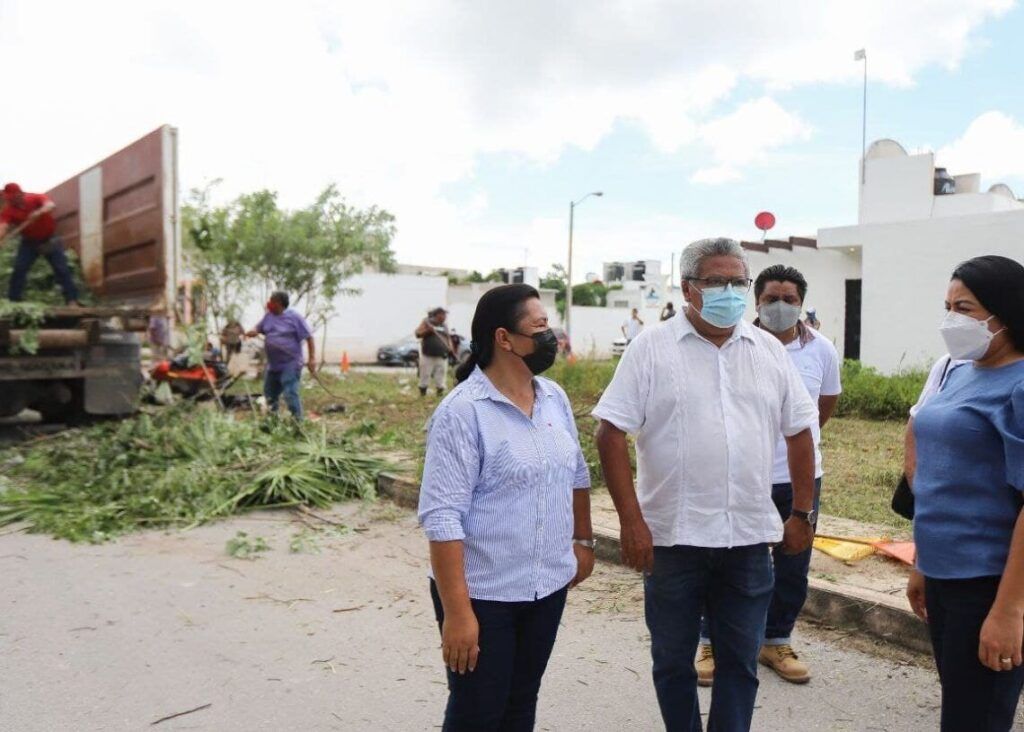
point(28, 316)
point(180, 467)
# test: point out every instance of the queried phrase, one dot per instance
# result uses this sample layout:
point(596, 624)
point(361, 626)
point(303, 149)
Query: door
point(851, 343)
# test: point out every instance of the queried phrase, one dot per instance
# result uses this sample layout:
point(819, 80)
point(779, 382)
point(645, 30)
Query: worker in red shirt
point(30, 216)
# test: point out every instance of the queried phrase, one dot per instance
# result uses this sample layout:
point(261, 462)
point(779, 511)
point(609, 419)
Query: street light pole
point(862, 55)
point(568, 271)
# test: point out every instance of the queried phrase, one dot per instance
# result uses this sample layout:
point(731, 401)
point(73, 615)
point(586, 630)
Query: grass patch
point(863, 461)
point(863, 458)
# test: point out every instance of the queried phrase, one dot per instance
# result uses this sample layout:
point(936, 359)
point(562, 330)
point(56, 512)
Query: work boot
point(423, 391)
point(705, 665)
point(784, 661)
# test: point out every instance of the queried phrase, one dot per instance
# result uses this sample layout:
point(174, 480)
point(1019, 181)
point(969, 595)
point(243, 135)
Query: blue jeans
point(790, 591)
point(28, 251)
point(285, 381)
point(516, 639)
point(974, 698)
point(735, 585)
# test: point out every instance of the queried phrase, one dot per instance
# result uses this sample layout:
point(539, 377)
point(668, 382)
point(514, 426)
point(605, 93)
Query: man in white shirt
point(632, 326)
point(779, 292)
point(708, 397)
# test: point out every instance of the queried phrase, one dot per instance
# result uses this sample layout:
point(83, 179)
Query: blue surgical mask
point(723, 306)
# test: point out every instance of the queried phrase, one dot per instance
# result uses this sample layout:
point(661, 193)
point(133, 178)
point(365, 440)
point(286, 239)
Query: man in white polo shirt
point(708, 397)
point(779, 292)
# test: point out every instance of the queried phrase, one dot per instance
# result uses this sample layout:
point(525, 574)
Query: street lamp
point(568, 272)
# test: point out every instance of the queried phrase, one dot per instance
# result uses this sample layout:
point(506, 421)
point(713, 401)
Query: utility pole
point(862, 55)
point(568, 270)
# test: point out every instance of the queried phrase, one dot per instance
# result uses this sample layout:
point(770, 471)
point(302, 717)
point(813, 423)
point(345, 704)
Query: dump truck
point(121, 216)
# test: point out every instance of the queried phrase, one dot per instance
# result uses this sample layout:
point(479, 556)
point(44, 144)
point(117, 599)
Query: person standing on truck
point(30, 216)
point(284, 331)
point(435, 345)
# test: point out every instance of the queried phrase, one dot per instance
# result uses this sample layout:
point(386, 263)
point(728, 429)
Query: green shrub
point(871, 395)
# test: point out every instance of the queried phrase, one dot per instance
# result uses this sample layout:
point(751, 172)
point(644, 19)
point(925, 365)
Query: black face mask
point(545, 351)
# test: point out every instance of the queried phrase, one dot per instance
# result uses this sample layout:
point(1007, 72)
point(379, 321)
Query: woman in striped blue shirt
point(505, 505)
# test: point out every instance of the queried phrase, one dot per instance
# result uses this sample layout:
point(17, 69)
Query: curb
point(869, 613)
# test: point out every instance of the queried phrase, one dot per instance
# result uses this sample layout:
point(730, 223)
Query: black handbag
point(903, 499)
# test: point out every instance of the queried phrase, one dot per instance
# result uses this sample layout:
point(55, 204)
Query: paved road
point(114, 637)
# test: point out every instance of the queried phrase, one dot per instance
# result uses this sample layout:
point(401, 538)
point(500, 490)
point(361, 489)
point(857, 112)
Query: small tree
point(555, 280)
point(253, 246)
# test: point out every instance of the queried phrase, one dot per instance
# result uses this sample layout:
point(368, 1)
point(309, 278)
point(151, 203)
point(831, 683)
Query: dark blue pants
point(790, 591)
point(516, 639)
point(735, 585)
point(284, 382)
point(974, 698)
point(28, 251)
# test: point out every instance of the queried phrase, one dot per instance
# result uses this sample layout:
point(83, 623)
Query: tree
point(253, 246)
point(555, 280)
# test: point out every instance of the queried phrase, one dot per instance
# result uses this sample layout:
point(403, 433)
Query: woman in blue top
point(968, 484)
point(505, 507)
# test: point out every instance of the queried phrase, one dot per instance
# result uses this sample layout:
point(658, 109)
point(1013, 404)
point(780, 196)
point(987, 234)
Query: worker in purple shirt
point(284, 331)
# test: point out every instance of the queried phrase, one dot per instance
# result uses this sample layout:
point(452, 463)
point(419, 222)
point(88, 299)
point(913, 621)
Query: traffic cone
point(571, 358)
point(345, 365)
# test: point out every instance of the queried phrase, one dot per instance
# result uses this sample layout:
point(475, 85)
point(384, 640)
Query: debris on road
point(181, 466)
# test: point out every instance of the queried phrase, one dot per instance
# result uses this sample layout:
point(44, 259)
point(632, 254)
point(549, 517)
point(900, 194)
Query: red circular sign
point(764, 220)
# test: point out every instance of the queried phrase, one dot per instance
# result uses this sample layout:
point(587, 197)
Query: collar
point(683, 327)
point(482, 387)
point(804, 333)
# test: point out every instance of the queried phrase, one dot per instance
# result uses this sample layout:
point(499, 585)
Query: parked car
point(404, 353)
point(619, 346)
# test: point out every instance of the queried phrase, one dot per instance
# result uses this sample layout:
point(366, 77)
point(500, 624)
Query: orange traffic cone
point(345, 365)
point(571, 358)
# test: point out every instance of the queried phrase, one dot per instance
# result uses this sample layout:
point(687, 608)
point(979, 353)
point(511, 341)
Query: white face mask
point(967, 338)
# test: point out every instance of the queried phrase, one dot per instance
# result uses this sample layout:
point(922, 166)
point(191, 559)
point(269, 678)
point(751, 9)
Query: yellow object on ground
point(847, 549)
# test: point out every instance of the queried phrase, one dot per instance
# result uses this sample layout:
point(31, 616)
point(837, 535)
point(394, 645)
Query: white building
point(908, 240)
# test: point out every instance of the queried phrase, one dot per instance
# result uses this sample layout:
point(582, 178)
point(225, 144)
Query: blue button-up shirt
point(502, 483)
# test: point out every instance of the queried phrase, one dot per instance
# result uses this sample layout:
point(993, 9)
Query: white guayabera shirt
point(707, 420)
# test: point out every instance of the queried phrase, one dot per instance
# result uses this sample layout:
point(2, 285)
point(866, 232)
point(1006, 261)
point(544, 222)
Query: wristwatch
point(808, 516)
point(588, 543)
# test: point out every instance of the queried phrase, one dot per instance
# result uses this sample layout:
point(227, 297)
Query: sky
point(477, 122)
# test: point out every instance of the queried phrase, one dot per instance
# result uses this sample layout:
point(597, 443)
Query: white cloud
point(716, 175)
point(992, 144)
point(395, 99)
point(746, 136)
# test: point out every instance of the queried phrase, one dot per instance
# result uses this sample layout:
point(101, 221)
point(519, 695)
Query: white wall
point(897, 188)
point(906, 271)
point(387, 309)
point(595, 328)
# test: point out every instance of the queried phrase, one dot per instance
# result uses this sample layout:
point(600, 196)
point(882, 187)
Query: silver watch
point(588, 543)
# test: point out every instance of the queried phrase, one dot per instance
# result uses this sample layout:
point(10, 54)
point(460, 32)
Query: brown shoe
point(784, 661)
point(705, 665)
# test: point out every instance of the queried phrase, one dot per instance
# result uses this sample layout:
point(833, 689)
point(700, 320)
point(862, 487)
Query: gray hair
point(694, 255)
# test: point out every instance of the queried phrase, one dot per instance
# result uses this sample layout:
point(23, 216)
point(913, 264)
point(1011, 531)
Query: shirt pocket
point(510, 465)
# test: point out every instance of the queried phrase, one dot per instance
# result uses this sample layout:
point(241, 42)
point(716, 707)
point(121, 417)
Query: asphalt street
point(341, 636)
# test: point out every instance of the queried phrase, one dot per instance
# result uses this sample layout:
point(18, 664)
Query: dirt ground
point(341, 636)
